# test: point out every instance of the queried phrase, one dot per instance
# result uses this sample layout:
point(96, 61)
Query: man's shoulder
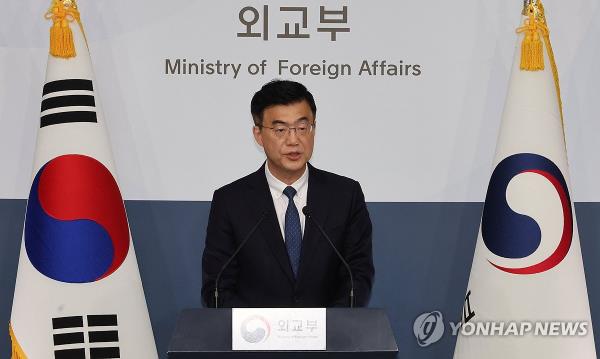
point(240, 184)
point(331, 178)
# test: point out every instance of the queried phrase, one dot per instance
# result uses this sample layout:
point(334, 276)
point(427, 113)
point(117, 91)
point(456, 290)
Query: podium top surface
point(353, 330)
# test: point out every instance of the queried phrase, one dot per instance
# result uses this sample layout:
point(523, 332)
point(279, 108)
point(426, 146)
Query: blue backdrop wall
point(422, 253)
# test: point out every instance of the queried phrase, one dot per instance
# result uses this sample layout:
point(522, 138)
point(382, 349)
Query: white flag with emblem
point(527, 296)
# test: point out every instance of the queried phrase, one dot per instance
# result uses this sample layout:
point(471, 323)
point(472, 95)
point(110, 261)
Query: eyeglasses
point(281, 130)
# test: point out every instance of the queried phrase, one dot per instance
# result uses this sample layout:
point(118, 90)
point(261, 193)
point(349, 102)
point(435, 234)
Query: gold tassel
point(536, 13)
point(17, 351)
point(532, 55)
point(532, 49)
point(62, 13)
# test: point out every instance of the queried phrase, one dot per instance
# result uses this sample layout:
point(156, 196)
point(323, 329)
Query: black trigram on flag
point(86, 337)
point(66, 101)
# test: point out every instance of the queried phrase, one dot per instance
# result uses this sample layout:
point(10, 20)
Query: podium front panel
point(351, 333)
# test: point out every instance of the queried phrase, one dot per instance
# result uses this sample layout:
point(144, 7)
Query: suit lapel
point(269, 229)
point(318, 202)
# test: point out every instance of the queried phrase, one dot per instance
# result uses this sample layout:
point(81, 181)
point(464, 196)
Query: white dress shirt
point(280, 200)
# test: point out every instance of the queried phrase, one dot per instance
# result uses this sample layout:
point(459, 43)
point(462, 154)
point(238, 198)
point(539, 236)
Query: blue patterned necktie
point(293, 231)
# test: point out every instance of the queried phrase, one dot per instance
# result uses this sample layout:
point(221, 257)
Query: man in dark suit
point(286, 262)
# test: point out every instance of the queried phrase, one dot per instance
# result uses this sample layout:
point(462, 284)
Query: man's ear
point(256, 131)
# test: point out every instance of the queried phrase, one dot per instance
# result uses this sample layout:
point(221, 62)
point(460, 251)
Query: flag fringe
point(17, 351)
point(62, 13)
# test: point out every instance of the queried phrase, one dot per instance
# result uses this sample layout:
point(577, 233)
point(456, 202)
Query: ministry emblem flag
point(527, 295)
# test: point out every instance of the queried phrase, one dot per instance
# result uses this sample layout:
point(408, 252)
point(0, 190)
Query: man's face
point(287, 151)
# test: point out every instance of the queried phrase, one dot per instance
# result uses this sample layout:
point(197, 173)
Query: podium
point(351, 333)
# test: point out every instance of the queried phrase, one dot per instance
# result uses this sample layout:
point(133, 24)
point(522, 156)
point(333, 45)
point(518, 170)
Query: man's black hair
point(279, 92)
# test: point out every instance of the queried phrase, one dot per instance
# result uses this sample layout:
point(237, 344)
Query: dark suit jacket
point(261, 274)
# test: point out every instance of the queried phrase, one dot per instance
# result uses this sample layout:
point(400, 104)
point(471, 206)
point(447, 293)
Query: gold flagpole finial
point(526, 4)
point(536, 6)
point(62, 13)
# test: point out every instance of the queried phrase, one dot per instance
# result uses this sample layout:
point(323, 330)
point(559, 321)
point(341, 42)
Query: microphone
point(237, 250)
point(308, 215)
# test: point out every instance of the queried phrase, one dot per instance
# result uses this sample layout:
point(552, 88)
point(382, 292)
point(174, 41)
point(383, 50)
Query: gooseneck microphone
point(308, 215)
point(237, 250)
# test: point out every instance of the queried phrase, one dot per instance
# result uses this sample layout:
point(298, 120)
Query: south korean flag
point(78, 292)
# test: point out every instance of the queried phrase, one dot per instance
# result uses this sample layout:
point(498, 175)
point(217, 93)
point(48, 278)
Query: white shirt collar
point(276, 186)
